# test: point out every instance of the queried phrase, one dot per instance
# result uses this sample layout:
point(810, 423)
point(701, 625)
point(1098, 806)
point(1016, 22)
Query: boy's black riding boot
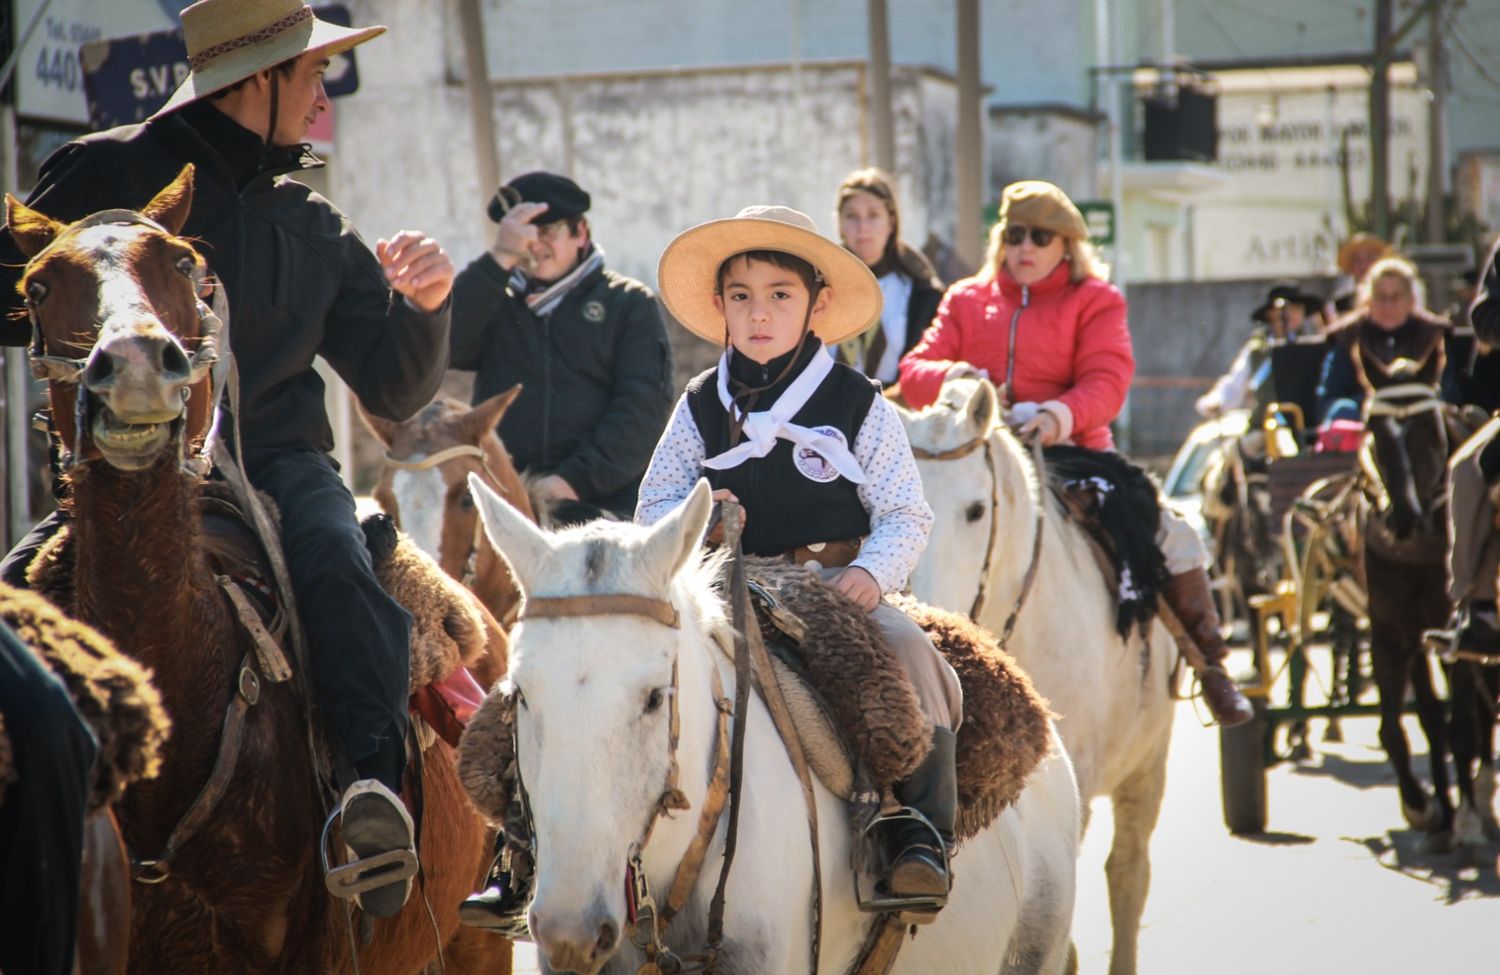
point(919, 865)
point(1188, 595)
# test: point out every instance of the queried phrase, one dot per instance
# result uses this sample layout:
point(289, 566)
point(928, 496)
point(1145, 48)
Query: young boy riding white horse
point(816, 455)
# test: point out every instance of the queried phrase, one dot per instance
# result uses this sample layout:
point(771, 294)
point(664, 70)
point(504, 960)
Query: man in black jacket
point(588, 346)
point(300, 283)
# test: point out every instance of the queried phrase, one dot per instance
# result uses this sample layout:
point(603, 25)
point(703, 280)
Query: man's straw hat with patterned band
point(688, 275)
point(230, 40)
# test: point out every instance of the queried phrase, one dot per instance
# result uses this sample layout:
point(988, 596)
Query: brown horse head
point(425, 488)
point(117, 329)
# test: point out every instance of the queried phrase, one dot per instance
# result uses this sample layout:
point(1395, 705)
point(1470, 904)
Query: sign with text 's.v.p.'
point(100, 65)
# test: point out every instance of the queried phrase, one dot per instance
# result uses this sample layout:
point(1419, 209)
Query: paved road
point(1336, 886)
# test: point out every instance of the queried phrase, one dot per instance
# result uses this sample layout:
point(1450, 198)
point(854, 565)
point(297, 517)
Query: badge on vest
point(811, 464)
point(594, 312)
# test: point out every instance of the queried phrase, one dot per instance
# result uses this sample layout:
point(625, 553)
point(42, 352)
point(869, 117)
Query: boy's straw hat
point(230, 40)
point(688, 275)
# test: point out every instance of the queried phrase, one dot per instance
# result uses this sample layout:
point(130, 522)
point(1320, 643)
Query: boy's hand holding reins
point(417, 268)
point(859, 586)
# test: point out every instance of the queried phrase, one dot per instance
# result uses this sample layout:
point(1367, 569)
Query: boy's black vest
point(784, 507)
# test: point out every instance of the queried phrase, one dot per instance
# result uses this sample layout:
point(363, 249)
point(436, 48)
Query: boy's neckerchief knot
point(763, 428)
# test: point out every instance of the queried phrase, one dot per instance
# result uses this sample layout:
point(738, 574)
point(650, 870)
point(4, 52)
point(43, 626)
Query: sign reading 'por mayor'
point(1294, 144)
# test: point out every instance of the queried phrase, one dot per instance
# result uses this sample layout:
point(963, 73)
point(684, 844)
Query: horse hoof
point(1301, 752)
point(1468, 828)
point(1436, 844)
point(1335, 732)
point(1427, 818)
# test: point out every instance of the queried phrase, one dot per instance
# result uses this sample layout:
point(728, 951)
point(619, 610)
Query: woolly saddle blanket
point(856, 713)
point(112, 692)
point(447, 635)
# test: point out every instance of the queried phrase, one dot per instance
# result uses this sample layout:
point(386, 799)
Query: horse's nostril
point(609, 936)
point(174, 362)
point(100, 371)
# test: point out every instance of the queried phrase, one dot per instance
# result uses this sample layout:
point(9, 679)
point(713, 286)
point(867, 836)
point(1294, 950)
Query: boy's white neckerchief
point(763, 427)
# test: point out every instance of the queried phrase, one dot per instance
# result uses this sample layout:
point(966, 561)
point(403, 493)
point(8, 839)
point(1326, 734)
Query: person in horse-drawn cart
point(1043, 321)
point(1287, 314)
point(817, 457)
point(300, 283)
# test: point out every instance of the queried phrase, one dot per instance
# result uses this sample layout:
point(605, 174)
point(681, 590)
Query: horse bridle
point(964, 450)
point(648, 921)
point(205, 360)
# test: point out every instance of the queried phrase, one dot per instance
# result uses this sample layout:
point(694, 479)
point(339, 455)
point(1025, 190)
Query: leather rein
point(1029, 580)
point(647, 919)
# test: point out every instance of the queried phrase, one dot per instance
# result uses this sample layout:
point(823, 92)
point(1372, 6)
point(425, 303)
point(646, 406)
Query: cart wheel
point(1242, 773)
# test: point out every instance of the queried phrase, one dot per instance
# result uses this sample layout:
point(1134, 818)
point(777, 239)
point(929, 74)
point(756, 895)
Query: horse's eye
point(974, 512)
point(466, 502)
point(654, 699)
point(35, 292)
point(187, 265)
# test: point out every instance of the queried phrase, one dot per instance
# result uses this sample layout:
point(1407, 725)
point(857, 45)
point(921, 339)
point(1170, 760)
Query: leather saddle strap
point(246, 695)
point(273, 663)
point(882, 945)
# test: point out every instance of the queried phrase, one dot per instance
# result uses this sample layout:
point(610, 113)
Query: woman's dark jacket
point(300, 281)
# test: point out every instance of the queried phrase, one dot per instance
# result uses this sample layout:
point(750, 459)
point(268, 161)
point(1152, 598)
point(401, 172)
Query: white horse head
point(593, 710)
point(957, 441)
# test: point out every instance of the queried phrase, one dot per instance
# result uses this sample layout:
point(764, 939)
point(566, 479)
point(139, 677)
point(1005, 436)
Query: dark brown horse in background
point(118, 328)
point(1411, 434)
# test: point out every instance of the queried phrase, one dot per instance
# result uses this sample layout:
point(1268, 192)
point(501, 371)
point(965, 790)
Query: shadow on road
point(1461, 875)
point(1376, 773)
point(1275, 838)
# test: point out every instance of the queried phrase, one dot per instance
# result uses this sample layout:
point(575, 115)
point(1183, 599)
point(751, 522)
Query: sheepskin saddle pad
point(112, 692)
point(1118, 506)
point(447, 629)
point(857, 715)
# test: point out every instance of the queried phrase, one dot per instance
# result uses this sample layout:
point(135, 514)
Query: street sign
point(1100, 216)
point(125, 79)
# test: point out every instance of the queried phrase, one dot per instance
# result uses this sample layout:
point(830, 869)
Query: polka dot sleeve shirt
point(900, 518)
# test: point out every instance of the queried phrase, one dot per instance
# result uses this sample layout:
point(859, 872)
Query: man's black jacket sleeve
point(478, 291)
point(392, 355)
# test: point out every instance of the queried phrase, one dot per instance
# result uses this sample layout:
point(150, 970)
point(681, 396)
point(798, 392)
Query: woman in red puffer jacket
point(1041, 323)
point(1042, 294)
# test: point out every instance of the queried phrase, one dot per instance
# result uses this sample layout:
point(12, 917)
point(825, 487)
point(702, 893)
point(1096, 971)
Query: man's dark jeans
point(357, 634)
point(41, 818)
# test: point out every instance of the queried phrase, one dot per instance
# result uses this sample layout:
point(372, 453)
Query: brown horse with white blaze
point(128, 352)
point(425, 487)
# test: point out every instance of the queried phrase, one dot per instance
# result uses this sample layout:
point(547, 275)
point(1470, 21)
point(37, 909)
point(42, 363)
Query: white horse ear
point(522, 544)
point(677, 536)
point(982, 410)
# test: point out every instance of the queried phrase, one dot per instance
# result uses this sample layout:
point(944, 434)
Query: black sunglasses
point(1015, 235)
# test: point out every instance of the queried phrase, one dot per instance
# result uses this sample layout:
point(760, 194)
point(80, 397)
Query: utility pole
point(1437, 127)
point(884, 135)
point(1380, 120)
point(969, 226)
point(481, 104)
